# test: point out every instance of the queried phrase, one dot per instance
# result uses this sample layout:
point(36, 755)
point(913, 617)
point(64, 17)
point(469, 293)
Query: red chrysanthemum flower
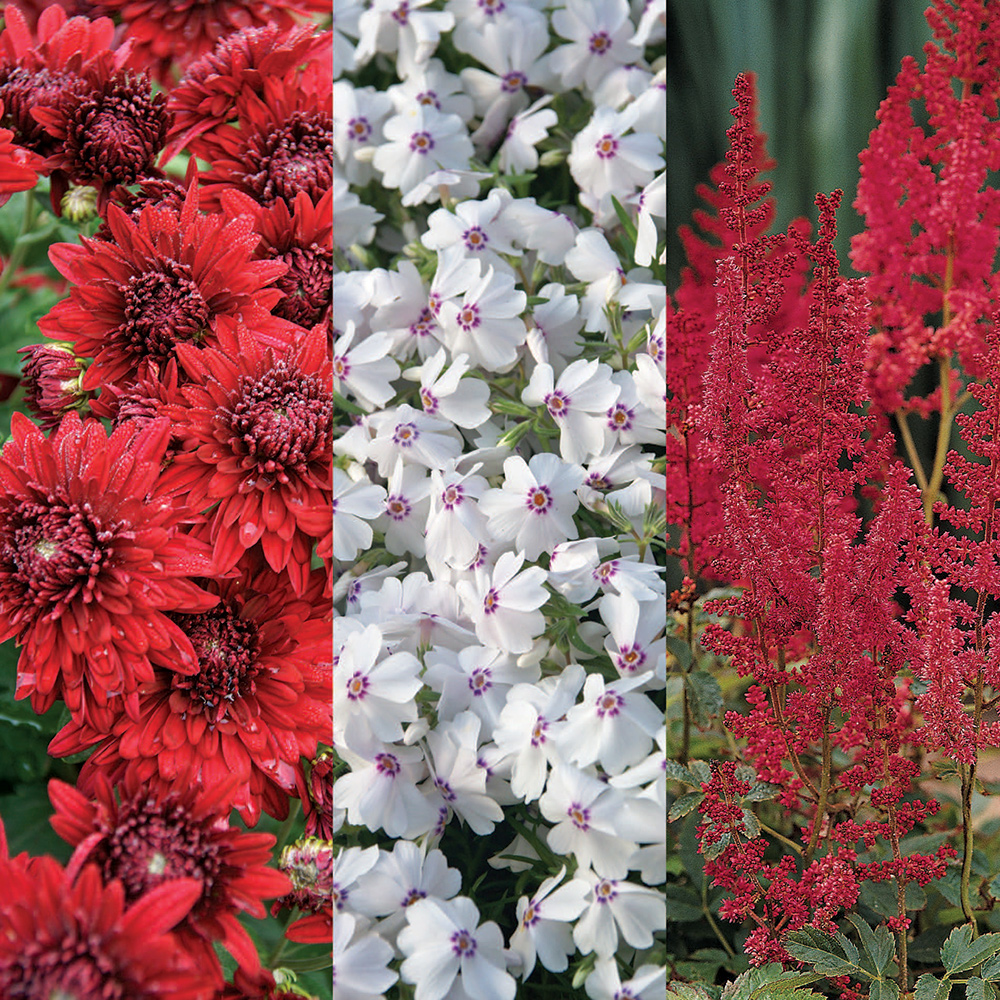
point(303, 239)
point(308, 863)
point(258, 432)
point(109, 128)
point(316, 793)
point(146, 837)
point(261, 985)
point(89, 561)
point(19, 168)
point(282, 145)
point(51, 377)
point(38, 72)
point(63, 937)
point(170, 33)
point(159, 192)
point(165, 279)
point(206, 97)
point(259, 700)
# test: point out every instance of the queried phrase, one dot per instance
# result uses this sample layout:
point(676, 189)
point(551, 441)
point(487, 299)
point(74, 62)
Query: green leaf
point(751, 825)
point(879, 945)
point(960, 952)
point(831, 955)
point(681, 650)
point(678, 772)
point(885, 989)
point(979, 989)
point(346, 405)
point(701, 771)
point(931, 988)
point(685, 804)
point(770, 982)
point(714, 850)
point(881, 897)
point(683, 904)
point(762, 791)
point(704, 696)
point(991, 969)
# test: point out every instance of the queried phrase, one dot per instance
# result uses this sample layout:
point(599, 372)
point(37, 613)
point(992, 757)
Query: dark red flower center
point(56, 553)
point(21, 90)
point(227, 647)
point(307, 285)
point(160, 309)
point(73, 969)
point(114, 134)
point(155, 842)
point(296, 156)
point(281, 420)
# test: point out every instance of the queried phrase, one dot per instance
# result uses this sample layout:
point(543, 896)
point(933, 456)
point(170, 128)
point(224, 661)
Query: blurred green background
point(822, 68)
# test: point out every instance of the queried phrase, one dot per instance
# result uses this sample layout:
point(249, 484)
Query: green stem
point(286, 827)
point(285, 919)
point(19, 249)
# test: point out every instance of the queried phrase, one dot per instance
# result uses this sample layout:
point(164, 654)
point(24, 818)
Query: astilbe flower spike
point(148, 837)
point(74, 936)
point(738, 217)
point(259, 700)
point(166, 279)
point(90, 560)
point(257, 427)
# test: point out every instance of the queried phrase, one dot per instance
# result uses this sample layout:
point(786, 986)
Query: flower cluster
point(163, 525)
point(498, 368)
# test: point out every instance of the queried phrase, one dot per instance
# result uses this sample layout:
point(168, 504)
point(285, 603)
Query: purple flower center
point(610, 703)
point(421, 142)
point(538, 731)
point(463, 944)
point(402, 13)
point(600, 43)
point(532, 915)
point(452, 496)
point(630, 658)
point(388, 764)
point(429, 401)
point(412, 896)
point(490, 601)
point(513, 82)
point(359, 129)
point(607, 147)
point(405, 435)
point(491, 7)
point(539, 499)
point(480, 681)
point(557, 403)
point(606, 571)
point(341, 367)
point(428, 97)
point(579, 815)
point(445, 789)
point(468, 318)
point(475, 238)
point(606, 890)
point(620, 417)
point(397, 507)
point(357, 686)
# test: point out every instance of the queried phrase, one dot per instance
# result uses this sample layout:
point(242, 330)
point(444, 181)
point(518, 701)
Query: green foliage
point(771, 982)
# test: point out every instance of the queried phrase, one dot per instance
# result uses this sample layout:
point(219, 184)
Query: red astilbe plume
point(301, 237)
point(90, 559)
point(167, 279)
point(282, 144)
point(206, 98)
point(259, 700)
point(67, 934)
point(258, 430)
point(146, 838)
point(735, 218)
point(824, 641)
point(931, 214)
point(167, 34)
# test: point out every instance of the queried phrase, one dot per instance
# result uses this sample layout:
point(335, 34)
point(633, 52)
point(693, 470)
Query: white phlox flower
point(578, 403)
point(413, 435)
point(634, 624)
point(555, 326)
point(402, 28)
point(431, 84)
point(526, 130)
point(442, 941)
point(604, 983)
point(545, 923)
point(456, 527)
point(358, 114)
point(617, 908)
point(352, 221)
point(481, 228)
point(364, 368)
point(600, 33)
point(504, 606)
point(463, 401)
point(406, 504)
point(354, 504)
point(359, 970)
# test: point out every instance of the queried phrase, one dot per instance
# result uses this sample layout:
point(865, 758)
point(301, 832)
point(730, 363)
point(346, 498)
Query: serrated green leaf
point(685, 804)
point(704, 696)
point(770, 982)
point(751, 825)
point(884, 989)
point(960, 952)
point(701, 771)
point(882, 898)
point(713, 851)
point(678, 772)
point(762, 792)
point(681, 650)
point(746, 772)
point(931, 988)
point(991, 969)
point(979, 989)
point(831, 955)
point(878, 944)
